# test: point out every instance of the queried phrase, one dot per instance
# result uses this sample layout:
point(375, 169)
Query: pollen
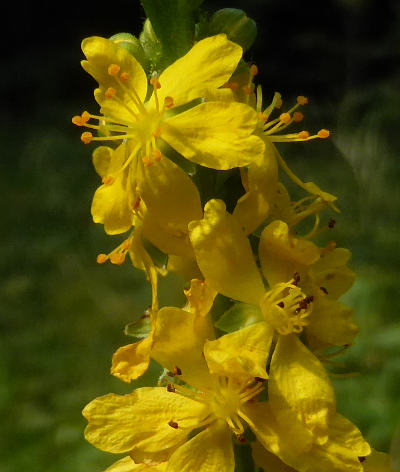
point(87, 137)
point(298, 116)
point(102, 258)
point(124, 77)
point(113, 69)
point(301, 100)
point(285, 118)
point(323, 133)
point(110, 92)
point(304, 134)
point(168, 102)
point(107, 179)
point(253, 70)
point(155, 83)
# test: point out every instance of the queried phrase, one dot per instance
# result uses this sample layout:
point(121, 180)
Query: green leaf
point(140, 328)
point(174, 24)
point(239, 316)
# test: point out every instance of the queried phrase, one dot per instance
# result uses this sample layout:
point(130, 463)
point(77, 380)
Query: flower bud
point(236, 25)
point(133, 46)
point(150, 43)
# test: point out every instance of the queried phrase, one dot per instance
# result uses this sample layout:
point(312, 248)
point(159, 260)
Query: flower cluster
point(186, 143)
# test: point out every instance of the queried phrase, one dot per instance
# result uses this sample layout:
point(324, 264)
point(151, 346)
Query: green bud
point(150, 43)
point(236, 25)
point(133, 46)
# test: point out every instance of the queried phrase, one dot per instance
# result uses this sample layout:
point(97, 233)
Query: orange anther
point(323, 133)
point(126, 244)
point(168, 102)
point(86, 137)
point(298, 116)
point(157, 132)
point(113, 69)
point(85, 116)
point(304, 134)
point(157, 155)
point(125, 76)
point(253, 70)
point(301, 100)
point(117, 258)
point(246, 89)
point(110, 92)
point(147, 161)
point(77, 120)
point(173, 424)
point(285, 118)
point(136, 205)
point(262, 117)
point(233, 86)
point(155, 83)
point(102, 258)
point(107, 179)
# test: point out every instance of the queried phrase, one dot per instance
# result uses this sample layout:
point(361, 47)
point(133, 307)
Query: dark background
point(62, 315)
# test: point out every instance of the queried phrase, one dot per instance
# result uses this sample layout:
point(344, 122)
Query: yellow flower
point(126, 464)
point(214, 133)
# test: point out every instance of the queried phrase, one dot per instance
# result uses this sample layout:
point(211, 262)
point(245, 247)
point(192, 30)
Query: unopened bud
point(133, 46)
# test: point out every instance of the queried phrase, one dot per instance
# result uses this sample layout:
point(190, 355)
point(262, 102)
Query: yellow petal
point(332, 322)
point(131, 361)
point(243, 353)
point(378, 462)
point(101, 159)
point(140, 420)
point(170, 195)
point(178, 342)
point(299, 388)
point(209, 451)
point(185, 266)
point(208, 65)
point(215, 134)
point(276, 437)
point(252, 209)
point(100, 54)
point(281, 254)
point(200, 297)
point(126, 464)
point(267, 460)
point(224, 255)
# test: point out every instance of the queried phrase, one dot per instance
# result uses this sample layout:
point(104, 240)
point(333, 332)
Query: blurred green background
point(62, 315)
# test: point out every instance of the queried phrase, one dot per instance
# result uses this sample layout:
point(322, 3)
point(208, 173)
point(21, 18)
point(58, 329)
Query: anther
point(173, 424)
point(117, 258)
point(323, 133)
point(155, 83)
point(301, 100)
point(304, 134)
point(324, 290)
point(110, 93)
point(253, 70)
point(113, 69)
point(331, 223)
point(281, 304)
point(296, 278)
point(107, 179)
point(126, 244)
point(246, 89)
point(361, 459)
point(168, 102)
point(278, 103)
point(298, 116)
point(102, 258)
point(157, 132)
point(233, 86)
point(124, 77)
point(259, 380)
point(147, 161)
point(241, 438)
point(262, 117)
point(86, 137)
point(170, 388)
point(157, 155)
point(176, 370)
point(136, 205)
point(285, 118)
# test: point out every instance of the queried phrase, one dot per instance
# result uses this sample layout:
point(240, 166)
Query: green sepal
point(236, 25)
point(133, 46)
point(150, 44)
point(140, 328)
point(244, 461)
point(174, 25)
point(239, 316)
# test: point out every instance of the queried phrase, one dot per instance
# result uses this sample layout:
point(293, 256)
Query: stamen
point(113, 69)
point(157, 132)
point(232, 85)
point(110, 93)
point(87, 137)
point(253, 70)
point(298, 116)
point(323, 133)
point(157, 155)
point(246, 89)
point(147, 161)
point(176, 370)
point(108, 180)
point(102, 258)
point(168, 102)
point(170, 388)
point(301, 100)
point(117, 258)
point(173, 424)
point(124, 77)
point(285, 118)
point(304, 134)
point(155, 83)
